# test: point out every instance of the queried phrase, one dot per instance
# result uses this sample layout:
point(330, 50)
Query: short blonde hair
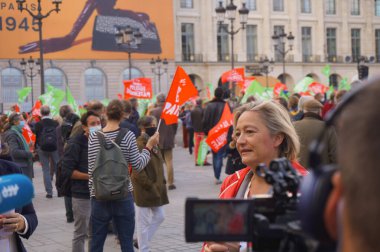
point(277, 120)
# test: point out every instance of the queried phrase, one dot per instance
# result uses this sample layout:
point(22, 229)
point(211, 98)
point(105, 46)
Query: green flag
point(105, 102)
point(284, 95)
point(143, 106)
point(303, 85)
point(330, 91)
point(202, 152)
point(343, 85)
point(53, 98)
point(71, 101)
point(209, 91)
point(23, 94)
point(326, 70)
point(82, 111)
point(254, 89)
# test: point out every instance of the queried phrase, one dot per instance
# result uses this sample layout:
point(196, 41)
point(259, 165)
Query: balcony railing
point(311, 58)
point(226, 57)
point(334, 59)
point(192, 57)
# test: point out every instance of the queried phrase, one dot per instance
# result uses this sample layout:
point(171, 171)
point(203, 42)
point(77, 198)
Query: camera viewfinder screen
point(227, 220)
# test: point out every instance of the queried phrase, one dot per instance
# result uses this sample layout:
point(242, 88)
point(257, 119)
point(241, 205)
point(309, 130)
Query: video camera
point(270, 222)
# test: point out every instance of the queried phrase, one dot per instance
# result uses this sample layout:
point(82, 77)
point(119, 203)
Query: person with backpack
point(110, 152)
point(75, 169)
point(46, 145)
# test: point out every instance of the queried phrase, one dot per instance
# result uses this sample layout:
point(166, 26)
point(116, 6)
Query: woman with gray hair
point(263, 132)
point(18, 147)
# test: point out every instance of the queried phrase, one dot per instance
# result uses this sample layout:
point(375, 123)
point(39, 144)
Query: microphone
point(16, 191)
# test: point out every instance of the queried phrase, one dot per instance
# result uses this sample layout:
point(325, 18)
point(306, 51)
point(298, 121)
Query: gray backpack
point(110, 175)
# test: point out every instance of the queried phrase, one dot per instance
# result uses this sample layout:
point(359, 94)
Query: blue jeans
point(122, 212)
point(45, 163)
point(217, 161)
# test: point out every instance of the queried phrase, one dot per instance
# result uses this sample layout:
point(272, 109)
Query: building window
point(135, 73)
point(306, 44)
point(355, 44)
point(222, 44)
point(278, 5)
point(187, 40)
point(187, 4)
point(55, 77)
point(331, 44)
point(377, 8)
point(95, 83)
point(279, 29)
point(11, 79)
point(251, 42)
point(330, 7)
point(305, 6)
point(355, 7)
point(377, 38)
point(251, 5)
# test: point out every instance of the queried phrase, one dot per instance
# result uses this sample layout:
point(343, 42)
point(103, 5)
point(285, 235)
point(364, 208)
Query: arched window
point(55, 77)
point(95, 83)
point(11, 79)
point(135, 73)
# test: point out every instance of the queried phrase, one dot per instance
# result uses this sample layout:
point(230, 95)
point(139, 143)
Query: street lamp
point(279, 46)
point(31, 64)
point(129, 39)
point(230, 13)
point(156, 65)
point(39, 17)
point(266, 67)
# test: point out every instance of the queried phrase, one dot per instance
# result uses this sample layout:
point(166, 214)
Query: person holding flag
point(167, 111)
point(212, 114)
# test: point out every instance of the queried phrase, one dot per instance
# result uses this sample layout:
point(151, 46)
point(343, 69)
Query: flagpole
point(159, 123)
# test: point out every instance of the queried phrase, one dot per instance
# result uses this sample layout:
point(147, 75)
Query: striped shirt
point(128, 145)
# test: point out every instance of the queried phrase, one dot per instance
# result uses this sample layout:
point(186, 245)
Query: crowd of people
point(68, 146)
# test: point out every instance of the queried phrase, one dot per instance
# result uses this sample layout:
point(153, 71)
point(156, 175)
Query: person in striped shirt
point(121, 212)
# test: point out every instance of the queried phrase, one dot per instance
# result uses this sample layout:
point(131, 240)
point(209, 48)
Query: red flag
point(278, 88)
point(16, 108)
point(316, 88)
point(28, 134)
point(217, 137)
point(139, 88)
point(234, 75)
point(36, 109)
point(181, 90)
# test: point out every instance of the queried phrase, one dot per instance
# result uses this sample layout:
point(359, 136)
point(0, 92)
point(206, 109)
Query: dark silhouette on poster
point(106, 22)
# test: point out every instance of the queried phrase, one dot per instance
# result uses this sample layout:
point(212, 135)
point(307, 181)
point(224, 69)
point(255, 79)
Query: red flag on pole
point(278, 88)
point(36, 109)
point(140, 88)
point(181, 90)
point(234, 75)
point(217, 137)
point(28, 134)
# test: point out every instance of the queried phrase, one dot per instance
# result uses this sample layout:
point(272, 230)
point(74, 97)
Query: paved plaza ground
point(54, 234)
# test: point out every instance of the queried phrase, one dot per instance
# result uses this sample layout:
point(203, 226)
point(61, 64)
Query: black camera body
point(270, 222)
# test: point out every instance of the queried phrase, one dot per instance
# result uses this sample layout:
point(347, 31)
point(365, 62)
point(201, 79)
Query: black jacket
point(75, 157)
point(196, 118)
point(212, 114)
point(7, 168)
point(128, 125)
point(46, 122)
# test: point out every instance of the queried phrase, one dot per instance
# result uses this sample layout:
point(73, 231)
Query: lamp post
point(229, 13)
point(266, 67)
point(31, 64)
point(130, 40)
point(279, 46)
point(157, 65)
point(39, 17)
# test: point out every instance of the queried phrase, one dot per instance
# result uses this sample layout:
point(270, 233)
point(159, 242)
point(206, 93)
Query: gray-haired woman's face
point(253, 140)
